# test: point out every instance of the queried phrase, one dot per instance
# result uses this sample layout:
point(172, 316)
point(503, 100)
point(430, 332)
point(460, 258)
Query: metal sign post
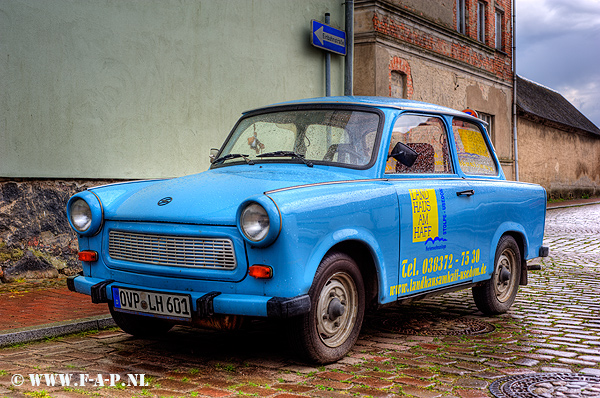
point(331, 40)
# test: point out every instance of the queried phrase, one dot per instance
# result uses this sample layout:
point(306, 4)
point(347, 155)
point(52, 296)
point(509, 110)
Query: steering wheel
point(353, 156)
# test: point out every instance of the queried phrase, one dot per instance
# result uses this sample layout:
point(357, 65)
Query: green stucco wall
point(144, 88)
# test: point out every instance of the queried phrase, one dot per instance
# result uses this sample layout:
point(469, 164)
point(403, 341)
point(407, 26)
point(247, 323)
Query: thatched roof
point(539, 102)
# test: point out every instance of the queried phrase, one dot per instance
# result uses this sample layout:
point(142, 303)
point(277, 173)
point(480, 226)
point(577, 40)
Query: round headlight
point(81, 215)
point(254, 222)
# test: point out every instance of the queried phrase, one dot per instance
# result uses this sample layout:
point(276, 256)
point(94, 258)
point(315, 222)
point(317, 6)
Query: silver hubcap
point(337, 308)
point(505, 275)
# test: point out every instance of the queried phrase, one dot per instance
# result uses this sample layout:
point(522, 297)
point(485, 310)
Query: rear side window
point(474, 155)
point(426, 135)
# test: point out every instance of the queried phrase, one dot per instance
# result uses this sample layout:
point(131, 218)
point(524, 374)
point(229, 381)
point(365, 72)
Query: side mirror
point(213, 154)
point(404, 154)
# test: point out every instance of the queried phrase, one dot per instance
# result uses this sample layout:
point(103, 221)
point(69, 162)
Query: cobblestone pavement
point(547, 345)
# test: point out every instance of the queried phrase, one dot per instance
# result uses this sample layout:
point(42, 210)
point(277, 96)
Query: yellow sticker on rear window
point(425, 214)
point(473, 142)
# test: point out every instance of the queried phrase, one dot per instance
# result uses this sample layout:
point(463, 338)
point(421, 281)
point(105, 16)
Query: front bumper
point(205, 303)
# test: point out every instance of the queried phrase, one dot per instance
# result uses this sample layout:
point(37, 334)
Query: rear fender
point(518, 232)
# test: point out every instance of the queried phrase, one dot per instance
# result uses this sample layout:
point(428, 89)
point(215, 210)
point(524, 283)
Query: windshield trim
point(305, 107)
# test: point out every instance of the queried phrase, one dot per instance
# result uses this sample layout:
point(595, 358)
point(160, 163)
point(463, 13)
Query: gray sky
point(558, 46)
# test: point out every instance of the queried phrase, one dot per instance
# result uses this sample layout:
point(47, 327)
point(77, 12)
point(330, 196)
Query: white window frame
point(489, 119)
point(481, 10)
point(498, 29)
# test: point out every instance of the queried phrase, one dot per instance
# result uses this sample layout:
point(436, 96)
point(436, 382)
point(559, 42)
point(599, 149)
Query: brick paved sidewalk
point(35, 306)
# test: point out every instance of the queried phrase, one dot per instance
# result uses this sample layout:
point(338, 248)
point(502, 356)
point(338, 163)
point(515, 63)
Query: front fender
point(317, 218)
point(357, 235)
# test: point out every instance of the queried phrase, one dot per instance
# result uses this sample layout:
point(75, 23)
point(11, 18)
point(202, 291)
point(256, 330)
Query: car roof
point(378, 102)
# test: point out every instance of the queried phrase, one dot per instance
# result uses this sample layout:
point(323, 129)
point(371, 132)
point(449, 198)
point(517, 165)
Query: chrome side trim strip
point(324, 183)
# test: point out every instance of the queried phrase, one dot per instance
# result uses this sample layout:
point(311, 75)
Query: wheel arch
point(378, 267)
point(521, 242)
point(364, 257)
point(518, 234)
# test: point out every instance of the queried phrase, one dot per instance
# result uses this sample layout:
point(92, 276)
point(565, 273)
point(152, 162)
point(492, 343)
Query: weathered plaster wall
point(567, 164)
point(144, 88)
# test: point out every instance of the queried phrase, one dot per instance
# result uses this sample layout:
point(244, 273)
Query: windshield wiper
point(233, 156)
point(292, 154)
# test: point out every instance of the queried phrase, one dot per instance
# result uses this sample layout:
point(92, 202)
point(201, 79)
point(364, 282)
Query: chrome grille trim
point(173, 251)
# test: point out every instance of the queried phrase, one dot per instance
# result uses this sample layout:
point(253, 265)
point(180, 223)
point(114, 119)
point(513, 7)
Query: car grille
point(176, 251)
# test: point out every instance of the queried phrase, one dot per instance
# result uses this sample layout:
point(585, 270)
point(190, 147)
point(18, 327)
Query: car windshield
point(322, 136)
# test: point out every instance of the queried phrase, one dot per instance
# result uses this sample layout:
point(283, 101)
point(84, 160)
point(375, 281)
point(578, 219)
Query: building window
point(398, 88)
point(489, 119)
point(498, 29)
point(481, 21)
point(461, 16)
point(401, 85)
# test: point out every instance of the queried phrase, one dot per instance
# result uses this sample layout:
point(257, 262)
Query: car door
point(437, 246)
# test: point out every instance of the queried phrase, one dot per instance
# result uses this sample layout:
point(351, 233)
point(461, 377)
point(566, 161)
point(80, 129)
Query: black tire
point(337, 308)
point(138, 325)
point(497, 294)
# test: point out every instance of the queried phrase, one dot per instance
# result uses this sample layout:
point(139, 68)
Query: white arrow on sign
point(324, 36)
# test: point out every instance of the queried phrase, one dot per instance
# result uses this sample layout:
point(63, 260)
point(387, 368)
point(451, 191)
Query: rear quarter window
point(474, 155)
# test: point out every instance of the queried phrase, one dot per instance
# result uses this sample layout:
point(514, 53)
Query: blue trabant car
point(313, 211)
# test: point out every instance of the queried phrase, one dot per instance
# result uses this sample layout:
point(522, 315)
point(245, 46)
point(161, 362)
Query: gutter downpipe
point(514, 67)
point(327, 63)
point(349, 60)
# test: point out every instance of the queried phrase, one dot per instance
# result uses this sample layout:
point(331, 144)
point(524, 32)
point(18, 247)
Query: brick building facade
point(455, 53)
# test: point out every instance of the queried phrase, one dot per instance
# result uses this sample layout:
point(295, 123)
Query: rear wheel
point(140, 326)
point(337, 309)
point(497, 294)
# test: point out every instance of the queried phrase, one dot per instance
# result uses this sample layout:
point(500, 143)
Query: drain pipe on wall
point(514, 67)
point(327, 63)
point(349, 60)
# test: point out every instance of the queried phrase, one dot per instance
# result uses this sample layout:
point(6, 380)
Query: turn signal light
point(261, 271)
point(88, 255)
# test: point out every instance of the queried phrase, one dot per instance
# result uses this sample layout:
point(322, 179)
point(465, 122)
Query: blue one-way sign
point(328, 38)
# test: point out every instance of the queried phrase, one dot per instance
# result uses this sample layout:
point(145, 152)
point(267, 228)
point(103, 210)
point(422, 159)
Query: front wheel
point(337, 309)
point(138, 325)
point(497, 294)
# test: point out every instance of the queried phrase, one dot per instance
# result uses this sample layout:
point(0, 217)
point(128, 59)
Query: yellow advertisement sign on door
point(424, 214)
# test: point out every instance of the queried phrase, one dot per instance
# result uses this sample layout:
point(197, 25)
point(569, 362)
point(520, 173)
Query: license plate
point(165, 305)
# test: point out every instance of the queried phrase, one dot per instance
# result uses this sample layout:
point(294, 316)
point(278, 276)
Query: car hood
point(211, 197)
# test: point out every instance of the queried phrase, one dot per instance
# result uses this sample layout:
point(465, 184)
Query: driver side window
point(427, 137)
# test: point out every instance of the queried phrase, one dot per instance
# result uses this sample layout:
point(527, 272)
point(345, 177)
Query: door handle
point(468, 192)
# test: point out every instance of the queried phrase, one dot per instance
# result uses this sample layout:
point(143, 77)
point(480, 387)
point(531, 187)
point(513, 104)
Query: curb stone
point(39, 332)
point(573, 203)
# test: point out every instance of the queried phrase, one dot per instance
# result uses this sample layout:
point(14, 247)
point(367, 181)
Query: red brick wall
point(457, 46)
